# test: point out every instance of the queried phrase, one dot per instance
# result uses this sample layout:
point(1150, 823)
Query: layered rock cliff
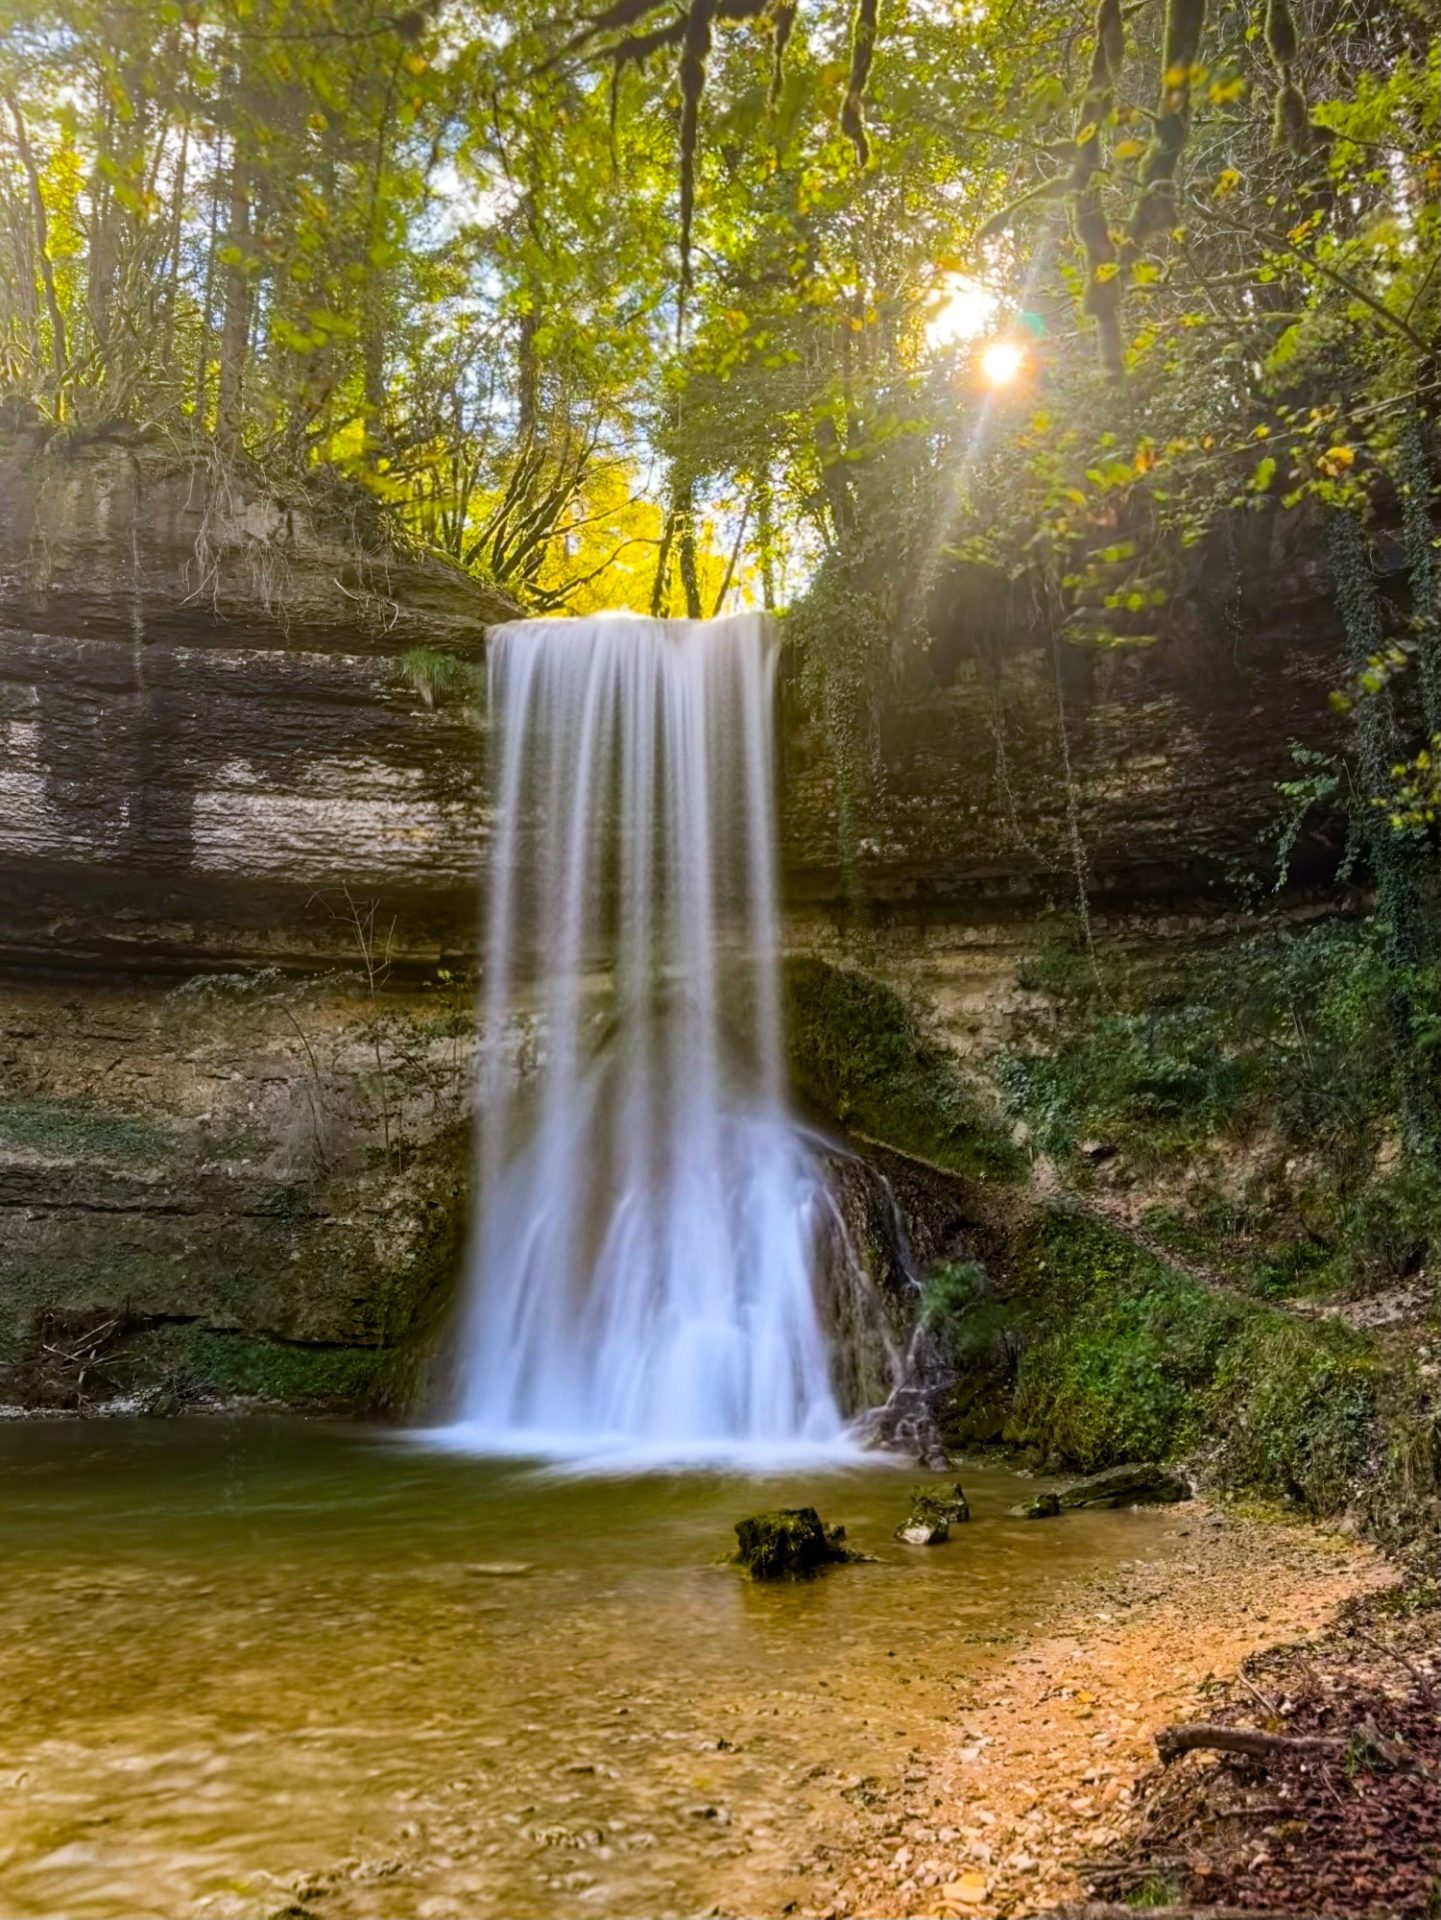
point(243, 828)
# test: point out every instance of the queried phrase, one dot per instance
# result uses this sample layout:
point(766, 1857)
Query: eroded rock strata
point(243, 830)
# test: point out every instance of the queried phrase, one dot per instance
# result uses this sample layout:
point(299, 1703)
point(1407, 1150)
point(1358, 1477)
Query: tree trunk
point(689, 571)
point(59, 353)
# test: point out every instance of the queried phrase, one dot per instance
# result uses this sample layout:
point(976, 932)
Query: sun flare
point(963, 309)
point(1000, 362)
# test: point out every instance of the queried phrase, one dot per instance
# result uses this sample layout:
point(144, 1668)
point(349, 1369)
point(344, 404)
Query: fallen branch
point(1172, 1742)
point(1426, 1681)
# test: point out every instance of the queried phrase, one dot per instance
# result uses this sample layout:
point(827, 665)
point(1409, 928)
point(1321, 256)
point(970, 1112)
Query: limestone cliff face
point(241, 850)
point(1007, 756)
point(228, 820)
point(204, 721)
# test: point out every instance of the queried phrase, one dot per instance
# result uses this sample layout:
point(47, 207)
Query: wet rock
point(1140, 1485)
point(934, 1510)
point(497, 1569)
point(924, 1533)
point(789, 1543)
point(907, 1423)
point(1045, 1506)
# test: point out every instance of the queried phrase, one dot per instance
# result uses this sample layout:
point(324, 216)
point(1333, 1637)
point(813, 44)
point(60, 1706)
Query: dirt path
point(1045, 1747)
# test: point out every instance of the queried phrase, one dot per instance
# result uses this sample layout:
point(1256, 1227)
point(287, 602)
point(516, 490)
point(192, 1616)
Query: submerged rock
point(790, 1543)
point(1141, 1485)
point(1045, 1506)
point(933, 1512)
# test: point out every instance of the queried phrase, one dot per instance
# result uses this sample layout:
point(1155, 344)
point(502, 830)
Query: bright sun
point(1001, 361)
point(963, 309)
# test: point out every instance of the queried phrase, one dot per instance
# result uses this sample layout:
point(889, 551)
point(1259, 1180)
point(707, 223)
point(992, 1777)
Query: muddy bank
point(1037, 1779)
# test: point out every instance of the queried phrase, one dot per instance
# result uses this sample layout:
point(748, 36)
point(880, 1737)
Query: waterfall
point(641, 1273)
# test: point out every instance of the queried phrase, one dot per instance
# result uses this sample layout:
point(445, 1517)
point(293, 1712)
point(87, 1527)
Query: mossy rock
point(933, 1512)
point(1142, 1485)
point(789, 1543)
point(1045, 1506)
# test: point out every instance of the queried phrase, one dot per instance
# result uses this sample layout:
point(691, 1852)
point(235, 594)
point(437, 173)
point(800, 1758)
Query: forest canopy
point(675, 306)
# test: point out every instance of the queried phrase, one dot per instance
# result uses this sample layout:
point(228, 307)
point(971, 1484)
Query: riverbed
point(260, 1667)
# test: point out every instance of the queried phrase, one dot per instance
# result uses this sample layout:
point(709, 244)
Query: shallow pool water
point(264, 1667)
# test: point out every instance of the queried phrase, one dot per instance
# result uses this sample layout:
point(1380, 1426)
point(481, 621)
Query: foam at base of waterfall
point(620, 1454)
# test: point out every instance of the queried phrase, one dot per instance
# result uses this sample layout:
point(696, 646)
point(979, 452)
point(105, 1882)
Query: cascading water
point(642, 1269)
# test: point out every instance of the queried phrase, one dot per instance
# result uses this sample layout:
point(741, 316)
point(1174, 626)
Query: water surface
point(254, 1668)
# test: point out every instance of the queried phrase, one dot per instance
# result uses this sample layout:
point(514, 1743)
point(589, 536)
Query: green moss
point(1297, 1410)
point(76, 1129)
point(276, 1370)
point(860, 1057)
point(1284, 1043)
point(788, 1543)
point(1121, 1345)
point(1125, 1359)
point(438, 678)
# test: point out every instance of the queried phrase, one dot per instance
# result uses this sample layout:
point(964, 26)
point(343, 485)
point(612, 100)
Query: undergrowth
point(1267, 1077)
point(438, 679)
point(1122, 1358)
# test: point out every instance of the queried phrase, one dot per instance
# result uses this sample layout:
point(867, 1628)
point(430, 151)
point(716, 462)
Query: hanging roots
point(783, 20)
point(693, 33)
point(1102, 299)
point(1155, 211)
point(863, 46)
point(1281, 41)
point(1291, 127)
point(1291, 124)
point(694, 52)
point(1107, 56)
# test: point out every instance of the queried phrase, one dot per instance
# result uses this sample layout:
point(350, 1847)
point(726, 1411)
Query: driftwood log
point(1172, 1742)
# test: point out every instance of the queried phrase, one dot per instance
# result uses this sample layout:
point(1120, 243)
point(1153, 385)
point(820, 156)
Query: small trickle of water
point(642, 1270)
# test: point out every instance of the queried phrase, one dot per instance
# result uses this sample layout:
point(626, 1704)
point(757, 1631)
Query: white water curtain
point(642, 1264)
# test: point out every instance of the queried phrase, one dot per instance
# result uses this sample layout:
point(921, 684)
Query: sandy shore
point(1039, 1769)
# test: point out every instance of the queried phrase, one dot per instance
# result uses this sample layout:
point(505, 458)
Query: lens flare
point(1000, 362)
point(962, 308)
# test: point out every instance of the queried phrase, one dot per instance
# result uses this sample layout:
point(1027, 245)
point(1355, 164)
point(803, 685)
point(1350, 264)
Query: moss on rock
point(1123, 1359)
point(84, 1129)
point(788, 1543)
point(294, 1375)
point(860, 1057)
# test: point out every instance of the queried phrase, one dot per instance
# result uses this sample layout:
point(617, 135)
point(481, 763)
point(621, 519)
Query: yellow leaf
point(1128, 149)
point(1227, 181)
